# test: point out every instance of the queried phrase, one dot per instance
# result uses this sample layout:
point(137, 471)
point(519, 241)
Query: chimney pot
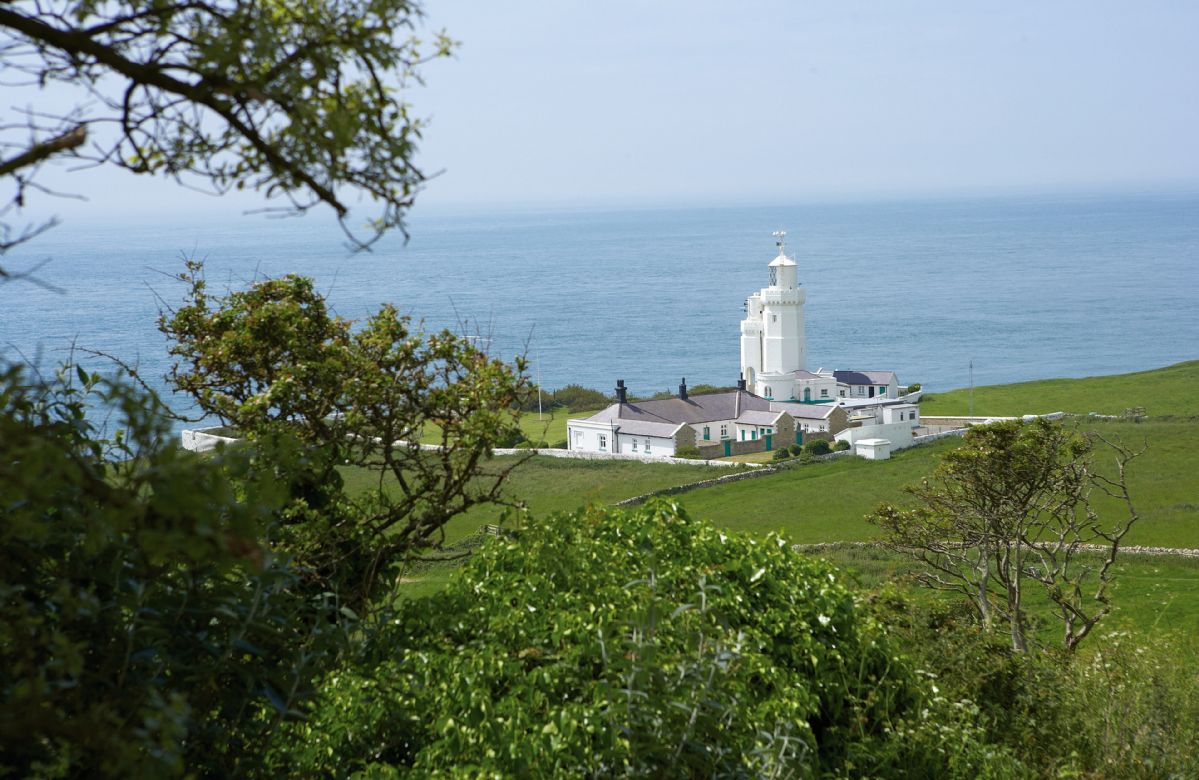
point(683, 389)
point(621, 393)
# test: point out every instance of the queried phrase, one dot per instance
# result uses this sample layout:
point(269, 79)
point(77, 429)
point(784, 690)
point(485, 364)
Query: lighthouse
point(773, 346)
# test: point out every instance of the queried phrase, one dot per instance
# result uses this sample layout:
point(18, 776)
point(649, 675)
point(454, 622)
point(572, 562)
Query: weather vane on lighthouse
point(780, 239)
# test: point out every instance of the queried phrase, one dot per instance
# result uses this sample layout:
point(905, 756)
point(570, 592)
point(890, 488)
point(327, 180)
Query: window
point(603, 442)
point(769, 393)
point(724, 431)
point(578, 438)
point(753, 434)
point(824, 393)
point(774, 277)
point(842, 393)
point(634, 445)
point(774, 318)
point(707, 433)
point(882, 391)
point(647, 445)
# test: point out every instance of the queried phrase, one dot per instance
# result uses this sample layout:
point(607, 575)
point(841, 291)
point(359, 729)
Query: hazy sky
point(621, 102)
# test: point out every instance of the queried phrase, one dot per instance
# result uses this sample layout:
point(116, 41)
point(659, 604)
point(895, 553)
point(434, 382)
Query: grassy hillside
point(1173, 390)
point(550, 427)
point(549, 485)
point(826, 502)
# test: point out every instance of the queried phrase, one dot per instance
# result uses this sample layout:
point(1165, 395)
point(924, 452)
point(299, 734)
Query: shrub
point(146, 629)
point(840, 445)
point(782, 454)
point(637, 643)
point(561, 444)
point(913, 387)
point(579, 398)
point(818, 447)
point(688, 452)
point(795, 449)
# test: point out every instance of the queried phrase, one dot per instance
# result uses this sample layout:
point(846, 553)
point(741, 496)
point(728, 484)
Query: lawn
point(1162, 391)
point(549, 426)
point(827, 502)
point(548, 485)
point(1151, 594)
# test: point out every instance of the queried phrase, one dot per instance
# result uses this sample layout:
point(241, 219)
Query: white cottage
point(661, 427)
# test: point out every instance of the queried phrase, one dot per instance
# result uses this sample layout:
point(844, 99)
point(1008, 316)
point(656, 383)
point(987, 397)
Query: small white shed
point(873, 449)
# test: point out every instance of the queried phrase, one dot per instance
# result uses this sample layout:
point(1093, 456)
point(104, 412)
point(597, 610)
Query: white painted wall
point(899, 434)
point(637, 445)
point(909, 413)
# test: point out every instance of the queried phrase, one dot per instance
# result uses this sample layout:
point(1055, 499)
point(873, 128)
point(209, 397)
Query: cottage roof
point(757, 417)
point(865, 377)
point(709, 407)
point(806, 411)
point(643, 428)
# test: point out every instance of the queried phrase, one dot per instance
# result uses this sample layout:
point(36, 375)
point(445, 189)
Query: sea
point(943, 291)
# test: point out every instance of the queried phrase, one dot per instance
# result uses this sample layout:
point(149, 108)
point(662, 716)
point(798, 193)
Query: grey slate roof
point(865, 377)
point(696, 409)
point(755, 417)
point(806, 411)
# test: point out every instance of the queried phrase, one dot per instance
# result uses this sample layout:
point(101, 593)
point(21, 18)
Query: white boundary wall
point(203, 440)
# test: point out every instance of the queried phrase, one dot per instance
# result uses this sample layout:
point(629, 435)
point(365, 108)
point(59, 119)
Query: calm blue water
point(1026, 287)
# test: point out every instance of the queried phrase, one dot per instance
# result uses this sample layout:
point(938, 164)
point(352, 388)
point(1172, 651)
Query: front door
point(768, 446)
point(728, 448)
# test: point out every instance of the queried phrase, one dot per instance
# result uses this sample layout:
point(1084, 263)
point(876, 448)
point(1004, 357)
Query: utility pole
point(539, 385)
point(971, 414)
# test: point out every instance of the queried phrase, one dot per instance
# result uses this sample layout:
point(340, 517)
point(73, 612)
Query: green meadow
point(1173, 390)
point(827, 502)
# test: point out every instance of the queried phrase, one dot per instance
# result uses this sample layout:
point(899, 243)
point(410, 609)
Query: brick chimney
point(683, 389)
point(621, 394)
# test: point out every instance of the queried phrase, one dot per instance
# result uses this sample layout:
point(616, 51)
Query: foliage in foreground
point(1125, 710)
point(147, 626)
point(312, 393)
point(637, 643)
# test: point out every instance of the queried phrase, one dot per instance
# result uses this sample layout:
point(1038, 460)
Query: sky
point(575, 103)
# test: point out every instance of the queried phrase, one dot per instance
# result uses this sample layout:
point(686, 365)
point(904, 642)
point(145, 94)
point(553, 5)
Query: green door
point(728, 448)
point(768, 446)
point(798, 436)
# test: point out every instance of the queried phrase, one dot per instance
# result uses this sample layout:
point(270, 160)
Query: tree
point(300, 101)
point(274, 364)
point(636, 644)
point(147, 626)
point(1012, 507)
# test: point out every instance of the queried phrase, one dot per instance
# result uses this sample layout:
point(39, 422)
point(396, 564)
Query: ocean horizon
point(1025, 287)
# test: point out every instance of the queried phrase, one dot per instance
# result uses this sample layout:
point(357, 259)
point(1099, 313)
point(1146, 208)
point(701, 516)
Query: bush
point(1125, 711)
point(688, 452)
point(795, 449)
point(578, 398)
point(637, 643)
point(146, 630)
point(561, 444)
point(782, 454)
point(913, 387)
point(818, 447)
point(840, 445)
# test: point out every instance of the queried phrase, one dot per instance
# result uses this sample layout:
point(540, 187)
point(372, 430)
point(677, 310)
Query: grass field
point(548, 485)
point(1173, 390)
point(1150, 594)
point(549, 427)
point(826, 502)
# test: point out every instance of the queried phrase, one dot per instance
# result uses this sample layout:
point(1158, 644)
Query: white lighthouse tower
point(773, 347)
